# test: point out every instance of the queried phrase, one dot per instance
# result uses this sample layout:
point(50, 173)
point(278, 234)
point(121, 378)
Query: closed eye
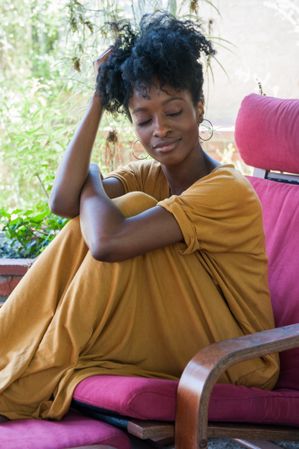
point(169, 114)
point(146, 122)
point(173, 114)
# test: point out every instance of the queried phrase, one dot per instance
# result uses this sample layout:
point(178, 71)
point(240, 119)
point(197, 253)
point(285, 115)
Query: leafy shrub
point(28, 232)
point(46, 76)
point(35, 128)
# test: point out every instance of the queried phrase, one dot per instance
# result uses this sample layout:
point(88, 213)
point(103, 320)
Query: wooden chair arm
point(202, 372)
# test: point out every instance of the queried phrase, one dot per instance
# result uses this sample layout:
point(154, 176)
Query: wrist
point(96, 101)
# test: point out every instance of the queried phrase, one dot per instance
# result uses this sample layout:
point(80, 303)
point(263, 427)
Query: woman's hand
point(97, 65)
point(101, 59)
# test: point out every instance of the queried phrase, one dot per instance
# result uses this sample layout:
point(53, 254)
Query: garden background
point(46, 77)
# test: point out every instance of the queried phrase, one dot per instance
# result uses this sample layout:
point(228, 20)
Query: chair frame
point(192, 429)
point(200, 376)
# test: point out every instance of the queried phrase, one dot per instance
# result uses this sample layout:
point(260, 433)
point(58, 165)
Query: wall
point(11, 272)
point(265, 38)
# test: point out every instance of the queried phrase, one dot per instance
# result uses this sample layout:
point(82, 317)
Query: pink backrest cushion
point(267, 133)
point(280, 203)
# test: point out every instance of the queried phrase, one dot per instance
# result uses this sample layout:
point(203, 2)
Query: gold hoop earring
point(135, 156)
point(207, 128)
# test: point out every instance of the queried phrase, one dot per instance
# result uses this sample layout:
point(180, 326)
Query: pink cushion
point(242, 404)
point(73, 431)
point(280, 204)
point(145, 398)
point(267, 123)
point(137, 397)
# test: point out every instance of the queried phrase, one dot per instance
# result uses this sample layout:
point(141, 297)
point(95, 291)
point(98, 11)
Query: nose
point(161, 127)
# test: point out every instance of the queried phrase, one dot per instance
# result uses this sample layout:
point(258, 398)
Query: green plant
point(28, 232)
point(46, 77)
point(35, 128)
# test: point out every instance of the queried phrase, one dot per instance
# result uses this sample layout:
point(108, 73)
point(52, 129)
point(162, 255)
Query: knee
point(134, 203)
point(71, 228)
point(73, 224)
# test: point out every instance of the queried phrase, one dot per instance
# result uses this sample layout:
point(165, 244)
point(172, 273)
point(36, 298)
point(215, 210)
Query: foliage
point(35, 130)
point(29, 231)
point(88, 23)
point(46, 53)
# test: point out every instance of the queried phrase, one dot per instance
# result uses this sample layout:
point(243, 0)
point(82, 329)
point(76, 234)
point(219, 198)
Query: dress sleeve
point(129, 176)
point(218, 213)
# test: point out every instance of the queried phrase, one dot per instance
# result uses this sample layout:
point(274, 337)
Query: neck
point(181, 177)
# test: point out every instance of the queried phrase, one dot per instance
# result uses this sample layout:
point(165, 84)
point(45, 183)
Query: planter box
point(11, 272)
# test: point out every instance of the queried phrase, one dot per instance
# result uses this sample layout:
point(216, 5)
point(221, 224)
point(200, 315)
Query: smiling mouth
point(165, 147)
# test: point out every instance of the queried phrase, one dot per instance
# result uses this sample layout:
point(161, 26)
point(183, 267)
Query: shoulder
point(224, 182)
point(224, 175)
point(145, 176)
point(140, 169)
point(148, 169)
point(223, 194)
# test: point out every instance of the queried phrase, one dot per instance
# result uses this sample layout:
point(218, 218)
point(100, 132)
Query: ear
point(200, 110)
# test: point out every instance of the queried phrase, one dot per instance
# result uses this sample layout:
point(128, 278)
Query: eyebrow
point(143, 109)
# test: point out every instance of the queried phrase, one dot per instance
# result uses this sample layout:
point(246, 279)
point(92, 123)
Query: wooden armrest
point(202, 372)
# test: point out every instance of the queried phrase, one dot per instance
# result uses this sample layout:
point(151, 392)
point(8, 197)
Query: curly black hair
point(164, 49)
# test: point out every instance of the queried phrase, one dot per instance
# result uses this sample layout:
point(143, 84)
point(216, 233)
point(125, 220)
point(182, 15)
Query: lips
point(164, 146)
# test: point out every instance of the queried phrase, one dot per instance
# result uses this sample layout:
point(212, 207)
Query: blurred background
point(47, 48)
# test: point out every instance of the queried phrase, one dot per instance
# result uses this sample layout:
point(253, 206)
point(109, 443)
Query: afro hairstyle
point(163, 49)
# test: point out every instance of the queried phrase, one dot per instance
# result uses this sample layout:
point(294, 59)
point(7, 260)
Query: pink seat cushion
point(137, 397)
point(73, 431)
point(280, 204)
point(155, 399)
point(267, 133)
point(234, 403)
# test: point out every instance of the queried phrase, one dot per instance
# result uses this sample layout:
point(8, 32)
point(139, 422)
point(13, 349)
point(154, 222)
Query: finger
point(103, 56)
point(107, 52)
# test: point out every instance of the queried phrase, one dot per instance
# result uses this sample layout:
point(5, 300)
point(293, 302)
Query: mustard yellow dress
point(72, 316)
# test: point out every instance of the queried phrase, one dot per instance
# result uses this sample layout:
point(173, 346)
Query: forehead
point(156, 96)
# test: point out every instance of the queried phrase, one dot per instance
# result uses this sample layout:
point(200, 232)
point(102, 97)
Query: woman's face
point(166, 122)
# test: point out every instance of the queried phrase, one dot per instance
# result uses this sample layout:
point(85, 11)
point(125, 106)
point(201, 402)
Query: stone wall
point(11, 272)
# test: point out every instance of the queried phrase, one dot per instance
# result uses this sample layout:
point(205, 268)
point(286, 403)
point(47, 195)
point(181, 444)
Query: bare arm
point(112, 237)
point(73, 169)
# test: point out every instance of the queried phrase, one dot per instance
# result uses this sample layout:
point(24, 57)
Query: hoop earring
point(133, 153)
point(208, 127)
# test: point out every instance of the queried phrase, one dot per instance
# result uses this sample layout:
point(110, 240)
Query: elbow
point(58, 207)
point(103, 250)
point(54, 206)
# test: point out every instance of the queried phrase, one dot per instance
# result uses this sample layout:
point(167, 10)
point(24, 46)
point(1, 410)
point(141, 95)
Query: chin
point(169, 160)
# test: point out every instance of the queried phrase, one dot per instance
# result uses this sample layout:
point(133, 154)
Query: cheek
point(143, 135)
point(191, 128)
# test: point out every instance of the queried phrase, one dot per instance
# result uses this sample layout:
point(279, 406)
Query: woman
point(164, 257)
